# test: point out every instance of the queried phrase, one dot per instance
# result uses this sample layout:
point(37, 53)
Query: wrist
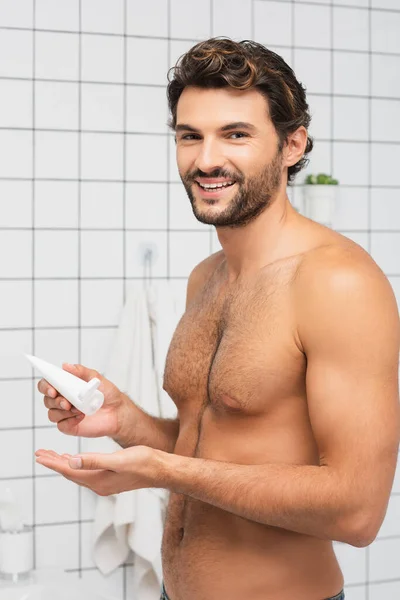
point(165, 469)
point(124, 432)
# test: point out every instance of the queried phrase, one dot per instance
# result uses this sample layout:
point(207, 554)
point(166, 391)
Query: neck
point(264, 240)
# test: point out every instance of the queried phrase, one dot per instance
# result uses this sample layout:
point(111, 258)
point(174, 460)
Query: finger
point(55, 415)
point(44, 453)
point(41, 452)
point(51, 459)
point(55, 463)
point(70, 426)
point(92, 460)
point(45, 388)
point(82, 372)
point(60, 465)
point(58, 402)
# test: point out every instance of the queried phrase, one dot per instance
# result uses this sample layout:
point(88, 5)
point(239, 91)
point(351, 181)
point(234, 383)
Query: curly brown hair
point(222, 62)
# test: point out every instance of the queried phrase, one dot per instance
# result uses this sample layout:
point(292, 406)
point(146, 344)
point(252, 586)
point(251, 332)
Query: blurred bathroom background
point(88, 174)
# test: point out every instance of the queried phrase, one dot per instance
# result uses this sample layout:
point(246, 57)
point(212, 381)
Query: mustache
point(190, 177)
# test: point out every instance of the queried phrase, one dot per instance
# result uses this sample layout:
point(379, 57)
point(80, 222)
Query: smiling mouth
point(212, 187)
point(214, 191)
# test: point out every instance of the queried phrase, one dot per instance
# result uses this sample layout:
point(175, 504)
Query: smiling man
point(284, 367)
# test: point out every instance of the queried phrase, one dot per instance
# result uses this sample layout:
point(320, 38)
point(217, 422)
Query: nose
point(209, 157)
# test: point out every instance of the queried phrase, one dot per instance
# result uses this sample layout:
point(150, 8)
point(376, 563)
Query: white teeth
point(208, 186)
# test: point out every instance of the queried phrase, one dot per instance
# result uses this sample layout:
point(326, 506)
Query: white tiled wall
point(87, 174)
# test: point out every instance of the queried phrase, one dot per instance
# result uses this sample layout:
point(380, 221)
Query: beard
point(255, 194)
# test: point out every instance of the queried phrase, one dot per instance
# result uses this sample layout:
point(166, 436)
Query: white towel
point(168, 302)
point(134, 520)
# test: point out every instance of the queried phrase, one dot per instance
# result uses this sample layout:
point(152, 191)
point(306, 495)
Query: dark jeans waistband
point(339, 596)
point(164, 595)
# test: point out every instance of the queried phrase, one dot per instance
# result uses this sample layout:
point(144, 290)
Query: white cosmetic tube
point(84, 395)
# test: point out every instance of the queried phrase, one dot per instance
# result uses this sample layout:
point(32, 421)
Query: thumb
point(82, 372)
point(92, 460)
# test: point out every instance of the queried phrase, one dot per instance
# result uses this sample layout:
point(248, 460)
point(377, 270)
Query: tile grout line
point(369, 223)
point(168, 149)
point(162, 86)
point(124, 207)
point(33, 340)
point(98, 132)
point(332, 86)
point(79, 167)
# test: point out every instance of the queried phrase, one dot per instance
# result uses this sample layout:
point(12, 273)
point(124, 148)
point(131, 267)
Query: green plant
point(320, 179)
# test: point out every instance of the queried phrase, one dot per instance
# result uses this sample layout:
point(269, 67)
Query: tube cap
point(92, 399)
point(96, 401)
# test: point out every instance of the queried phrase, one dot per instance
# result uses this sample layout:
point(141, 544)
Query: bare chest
point(234, 350)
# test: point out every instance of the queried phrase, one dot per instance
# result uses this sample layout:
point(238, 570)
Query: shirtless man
point(284, 367)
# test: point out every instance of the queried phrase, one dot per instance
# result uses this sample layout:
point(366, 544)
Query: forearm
point(303, 498)
point(138, 428)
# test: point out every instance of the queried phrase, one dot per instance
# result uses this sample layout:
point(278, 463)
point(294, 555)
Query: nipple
point(230, 403)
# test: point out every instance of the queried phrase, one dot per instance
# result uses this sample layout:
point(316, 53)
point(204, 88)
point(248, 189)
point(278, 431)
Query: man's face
point(244, 156)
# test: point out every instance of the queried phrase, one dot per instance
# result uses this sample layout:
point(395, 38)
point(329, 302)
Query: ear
point(295, 146)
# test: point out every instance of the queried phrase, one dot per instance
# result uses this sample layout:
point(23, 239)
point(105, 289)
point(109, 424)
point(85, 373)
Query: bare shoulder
point(201, 274)
point(335, 264)
point(341, 283)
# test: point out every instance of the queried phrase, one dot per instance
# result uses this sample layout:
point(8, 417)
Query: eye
point(193, 136)
point(239, 133)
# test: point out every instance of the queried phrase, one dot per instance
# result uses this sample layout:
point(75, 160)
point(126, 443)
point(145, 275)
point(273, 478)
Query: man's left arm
point(349, 330)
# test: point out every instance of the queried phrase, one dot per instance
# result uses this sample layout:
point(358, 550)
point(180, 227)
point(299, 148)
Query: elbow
point(361, 529)
point(361, 539)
